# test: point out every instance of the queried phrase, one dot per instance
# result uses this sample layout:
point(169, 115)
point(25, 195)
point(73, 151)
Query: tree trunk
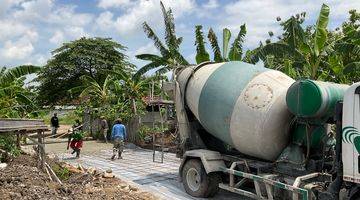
point(133, 124)
point(132, 128)
point(134, 106)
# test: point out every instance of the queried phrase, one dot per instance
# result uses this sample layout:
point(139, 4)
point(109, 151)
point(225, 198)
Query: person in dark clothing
point(104, 127)
point(54, 124)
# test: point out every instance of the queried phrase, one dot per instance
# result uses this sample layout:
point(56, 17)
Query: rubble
point(21, 179)
point(3, 166)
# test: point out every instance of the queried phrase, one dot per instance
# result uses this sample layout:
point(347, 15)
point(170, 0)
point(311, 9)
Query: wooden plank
point(21, 125)
point(41, 150)
point(20, 122)
point(22, 128)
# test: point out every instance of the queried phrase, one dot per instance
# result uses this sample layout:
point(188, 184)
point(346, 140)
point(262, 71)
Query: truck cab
point(351, 134)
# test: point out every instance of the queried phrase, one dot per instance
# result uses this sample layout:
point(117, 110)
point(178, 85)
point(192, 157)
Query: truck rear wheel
point(196, 182)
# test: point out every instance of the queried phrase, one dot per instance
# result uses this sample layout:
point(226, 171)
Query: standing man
point(104, 127)
point(54, 124)
point(118, 135)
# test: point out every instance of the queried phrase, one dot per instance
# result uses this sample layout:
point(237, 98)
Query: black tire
point(208, 185)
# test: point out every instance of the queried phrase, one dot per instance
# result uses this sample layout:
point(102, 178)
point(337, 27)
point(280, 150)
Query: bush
point(62, 172)
point(66, 119)
point(8, 143)
point(144, 131)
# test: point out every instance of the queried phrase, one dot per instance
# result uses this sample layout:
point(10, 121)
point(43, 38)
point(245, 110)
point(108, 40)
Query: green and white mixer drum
point(243, 105)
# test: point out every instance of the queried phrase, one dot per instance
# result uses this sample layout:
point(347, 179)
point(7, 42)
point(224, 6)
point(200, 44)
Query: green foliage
point(8, 143)
point(62, 173)
point(10, 75)
point(170, 57)
point(89, 57)
point(236, 49)
point(320, 36)
point(314, 52)
point(15, 99)
point(226, 39)
point(144, 131)
point(67, 119)
point(78, 135)
point(215, 46)
point(201, 54)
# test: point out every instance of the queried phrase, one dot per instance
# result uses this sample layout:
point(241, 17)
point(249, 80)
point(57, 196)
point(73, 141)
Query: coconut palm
point(170, 56)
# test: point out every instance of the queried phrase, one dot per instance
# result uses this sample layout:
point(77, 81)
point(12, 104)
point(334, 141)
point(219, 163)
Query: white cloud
point(24, 19)
point(260, 16)
point(7, 4)
point(10, 29)
point(105, 21)
point(17, 50)
point(75, 32)
point(211, 4)
point(66, 16)
point(149, 48)
point(68, 33)
point(34, 10)
point(113, 3)
point(30, 29)
point(57, 38)
point(40, 59)
point(139, 11)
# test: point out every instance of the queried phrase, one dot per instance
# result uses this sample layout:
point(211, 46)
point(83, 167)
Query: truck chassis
point(232, 179)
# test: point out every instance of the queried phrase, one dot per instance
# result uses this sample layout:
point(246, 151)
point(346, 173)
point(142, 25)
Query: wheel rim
point(193, 179)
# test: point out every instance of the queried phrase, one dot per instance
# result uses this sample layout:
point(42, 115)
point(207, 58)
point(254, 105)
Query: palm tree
point(236, 49)
point(170, 57)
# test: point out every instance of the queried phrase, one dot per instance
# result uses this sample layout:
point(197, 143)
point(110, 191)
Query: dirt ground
point(22, 180)
point(62, 129)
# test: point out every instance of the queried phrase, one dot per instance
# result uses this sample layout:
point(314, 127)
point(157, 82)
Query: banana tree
point(15, 99)
point(98, 94)
point(201, 54)
point(307, 50)
point(10, 75)
point(234, 53)
point(348, 47)
point(170, 56)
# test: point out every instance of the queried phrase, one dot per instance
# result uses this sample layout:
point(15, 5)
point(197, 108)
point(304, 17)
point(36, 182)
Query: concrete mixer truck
point(259, 133)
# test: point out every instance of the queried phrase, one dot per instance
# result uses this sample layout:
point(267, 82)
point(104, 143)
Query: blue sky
point(31, 29)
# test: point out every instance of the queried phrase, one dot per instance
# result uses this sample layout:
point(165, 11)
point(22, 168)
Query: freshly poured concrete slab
point(138, 167)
